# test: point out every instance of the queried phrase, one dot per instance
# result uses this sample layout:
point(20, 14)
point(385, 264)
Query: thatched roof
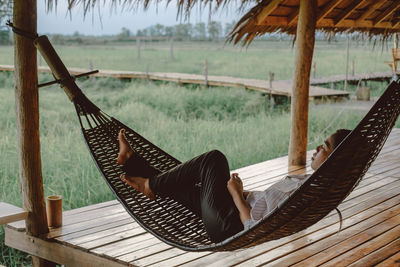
point(184, 6)
point(373, 17)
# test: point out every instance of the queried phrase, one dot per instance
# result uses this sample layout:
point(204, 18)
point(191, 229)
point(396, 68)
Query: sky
point(106, 22)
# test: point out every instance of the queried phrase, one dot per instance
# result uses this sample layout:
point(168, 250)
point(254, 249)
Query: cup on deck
point(54, 211)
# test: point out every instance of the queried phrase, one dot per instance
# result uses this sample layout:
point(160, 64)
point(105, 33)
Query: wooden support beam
point(347, 12)
point(374, 5)
point(10, 213)
point(267, 10)
point(303, 59)
point(27, 109)
point(56, 252)
point(388, 11)
point(327, 8)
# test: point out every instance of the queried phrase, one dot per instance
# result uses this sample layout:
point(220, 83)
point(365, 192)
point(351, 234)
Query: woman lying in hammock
point(204, 185)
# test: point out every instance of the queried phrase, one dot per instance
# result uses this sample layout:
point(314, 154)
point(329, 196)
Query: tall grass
point(184, 122)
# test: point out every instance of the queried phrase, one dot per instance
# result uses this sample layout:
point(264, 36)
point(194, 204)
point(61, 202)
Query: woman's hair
point(338, 136)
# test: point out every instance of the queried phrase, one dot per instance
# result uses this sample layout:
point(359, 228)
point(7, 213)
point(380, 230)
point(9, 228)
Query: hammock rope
point(174, 224)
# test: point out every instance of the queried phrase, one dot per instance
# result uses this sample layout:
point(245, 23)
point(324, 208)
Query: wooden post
point(206, 73)
point(305, 39)
point(353, 67)
point(138, 47)
point(27, 115)
point(271, 78)
point(347, 62)
point(396, 41)
point(147, 73)
point(314, 67)
point(271, 97)
point(171, 49)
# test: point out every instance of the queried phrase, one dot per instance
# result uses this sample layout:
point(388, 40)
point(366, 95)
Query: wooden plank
point(374, 246)
point(184, 258)
point(99, 227)
point(56, 252)
point(159, 257)
point(356, 77)
point(100, 221)
point(391, 261)
point(105, 240)
point(348, 239)
point(91, 207)
point(90, 216)
point(10, 213)
point(350, 243)
point(127, 246)
point(146, 252)
point(113, 232)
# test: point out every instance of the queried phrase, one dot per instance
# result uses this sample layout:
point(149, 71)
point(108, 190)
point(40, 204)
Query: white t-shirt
point(263, 202)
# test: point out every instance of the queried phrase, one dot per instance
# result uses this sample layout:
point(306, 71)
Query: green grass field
point(184, 121)
point(223, 59)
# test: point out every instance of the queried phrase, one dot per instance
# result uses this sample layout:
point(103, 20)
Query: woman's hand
point(235, 185)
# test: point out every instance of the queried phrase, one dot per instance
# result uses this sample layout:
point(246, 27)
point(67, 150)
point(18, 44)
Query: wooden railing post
point(27, 115)
point(305, 38)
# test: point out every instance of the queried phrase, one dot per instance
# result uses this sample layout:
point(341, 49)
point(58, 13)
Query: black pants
point(200, 185)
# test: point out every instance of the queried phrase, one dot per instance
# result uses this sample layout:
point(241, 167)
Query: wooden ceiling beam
point(354, 5)
point(396, 24)
point(327, 8)
point(267, 10)
point(293, 16)
point(329, 23)
point(370, 10)
point(388, 11)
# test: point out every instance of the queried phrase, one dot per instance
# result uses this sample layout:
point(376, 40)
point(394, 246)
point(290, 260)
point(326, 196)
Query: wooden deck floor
point(105, 235)
point(375, 76)
point(279, 88)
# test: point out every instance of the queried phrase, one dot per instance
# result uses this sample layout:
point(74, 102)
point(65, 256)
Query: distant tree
point(159, 29)
point(169, 31)
point(124, 33)
point(152, 31)
point(76, 34)
point(229, 26)
point(6, 9)
point(214, 30)
point(199, 31)
point(183, 31)
point(139, 33)
point(58, 39)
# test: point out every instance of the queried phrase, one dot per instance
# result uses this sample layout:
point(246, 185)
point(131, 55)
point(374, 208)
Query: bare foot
point(139, 183)
point(125, 149)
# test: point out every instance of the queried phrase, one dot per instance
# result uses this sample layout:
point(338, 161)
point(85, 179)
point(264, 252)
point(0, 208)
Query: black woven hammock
point(174, 224)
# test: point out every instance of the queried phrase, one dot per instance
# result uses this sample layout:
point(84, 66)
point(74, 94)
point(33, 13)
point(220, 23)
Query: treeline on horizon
point(212, 31)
